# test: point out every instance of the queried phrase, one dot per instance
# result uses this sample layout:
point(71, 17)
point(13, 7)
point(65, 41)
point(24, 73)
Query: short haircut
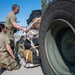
point(2, 26)
point(15, 6)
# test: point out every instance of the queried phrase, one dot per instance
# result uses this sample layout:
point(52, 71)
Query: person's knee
point(16, 66)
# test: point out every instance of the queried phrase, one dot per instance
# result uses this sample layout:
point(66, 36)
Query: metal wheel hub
point(68, 47)
point(63, 45)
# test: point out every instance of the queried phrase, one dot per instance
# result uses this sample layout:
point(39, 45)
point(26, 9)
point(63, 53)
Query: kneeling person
point(6, 54)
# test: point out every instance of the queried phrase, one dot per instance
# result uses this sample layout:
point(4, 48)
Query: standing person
point(11, 24)
point(6, 54)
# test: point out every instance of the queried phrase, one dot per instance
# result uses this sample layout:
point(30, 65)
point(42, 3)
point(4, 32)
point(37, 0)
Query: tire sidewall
point(49, 16)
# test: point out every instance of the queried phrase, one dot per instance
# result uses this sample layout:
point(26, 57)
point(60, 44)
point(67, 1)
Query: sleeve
point(7, 41)
point(13, 19)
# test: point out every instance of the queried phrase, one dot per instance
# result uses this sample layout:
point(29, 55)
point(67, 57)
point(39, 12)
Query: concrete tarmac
point(24, 71)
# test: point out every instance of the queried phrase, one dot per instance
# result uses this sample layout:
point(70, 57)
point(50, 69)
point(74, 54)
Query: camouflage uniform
point(10, 19)
point(5, 58)
point(10, 34)
point(11, 64)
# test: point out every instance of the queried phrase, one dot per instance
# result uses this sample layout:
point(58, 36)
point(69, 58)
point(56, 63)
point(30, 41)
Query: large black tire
point(58, 17)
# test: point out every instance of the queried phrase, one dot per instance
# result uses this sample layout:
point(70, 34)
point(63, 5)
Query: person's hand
point(24, 29)
point(13, 57)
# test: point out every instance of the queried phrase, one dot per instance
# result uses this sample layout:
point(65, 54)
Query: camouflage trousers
point(10, 34)
point(11, 64)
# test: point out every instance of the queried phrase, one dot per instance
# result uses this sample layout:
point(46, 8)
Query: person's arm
point(15, 25)
point(10, 50)
point(18, 27)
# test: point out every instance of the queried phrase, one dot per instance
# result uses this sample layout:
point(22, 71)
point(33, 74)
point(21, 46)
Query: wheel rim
point(55, 59)
point(68, 47)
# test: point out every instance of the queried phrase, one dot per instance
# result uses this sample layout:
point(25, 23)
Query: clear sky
point(26, 7)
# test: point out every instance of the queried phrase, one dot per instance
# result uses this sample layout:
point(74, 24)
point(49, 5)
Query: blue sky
point(26, 7)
